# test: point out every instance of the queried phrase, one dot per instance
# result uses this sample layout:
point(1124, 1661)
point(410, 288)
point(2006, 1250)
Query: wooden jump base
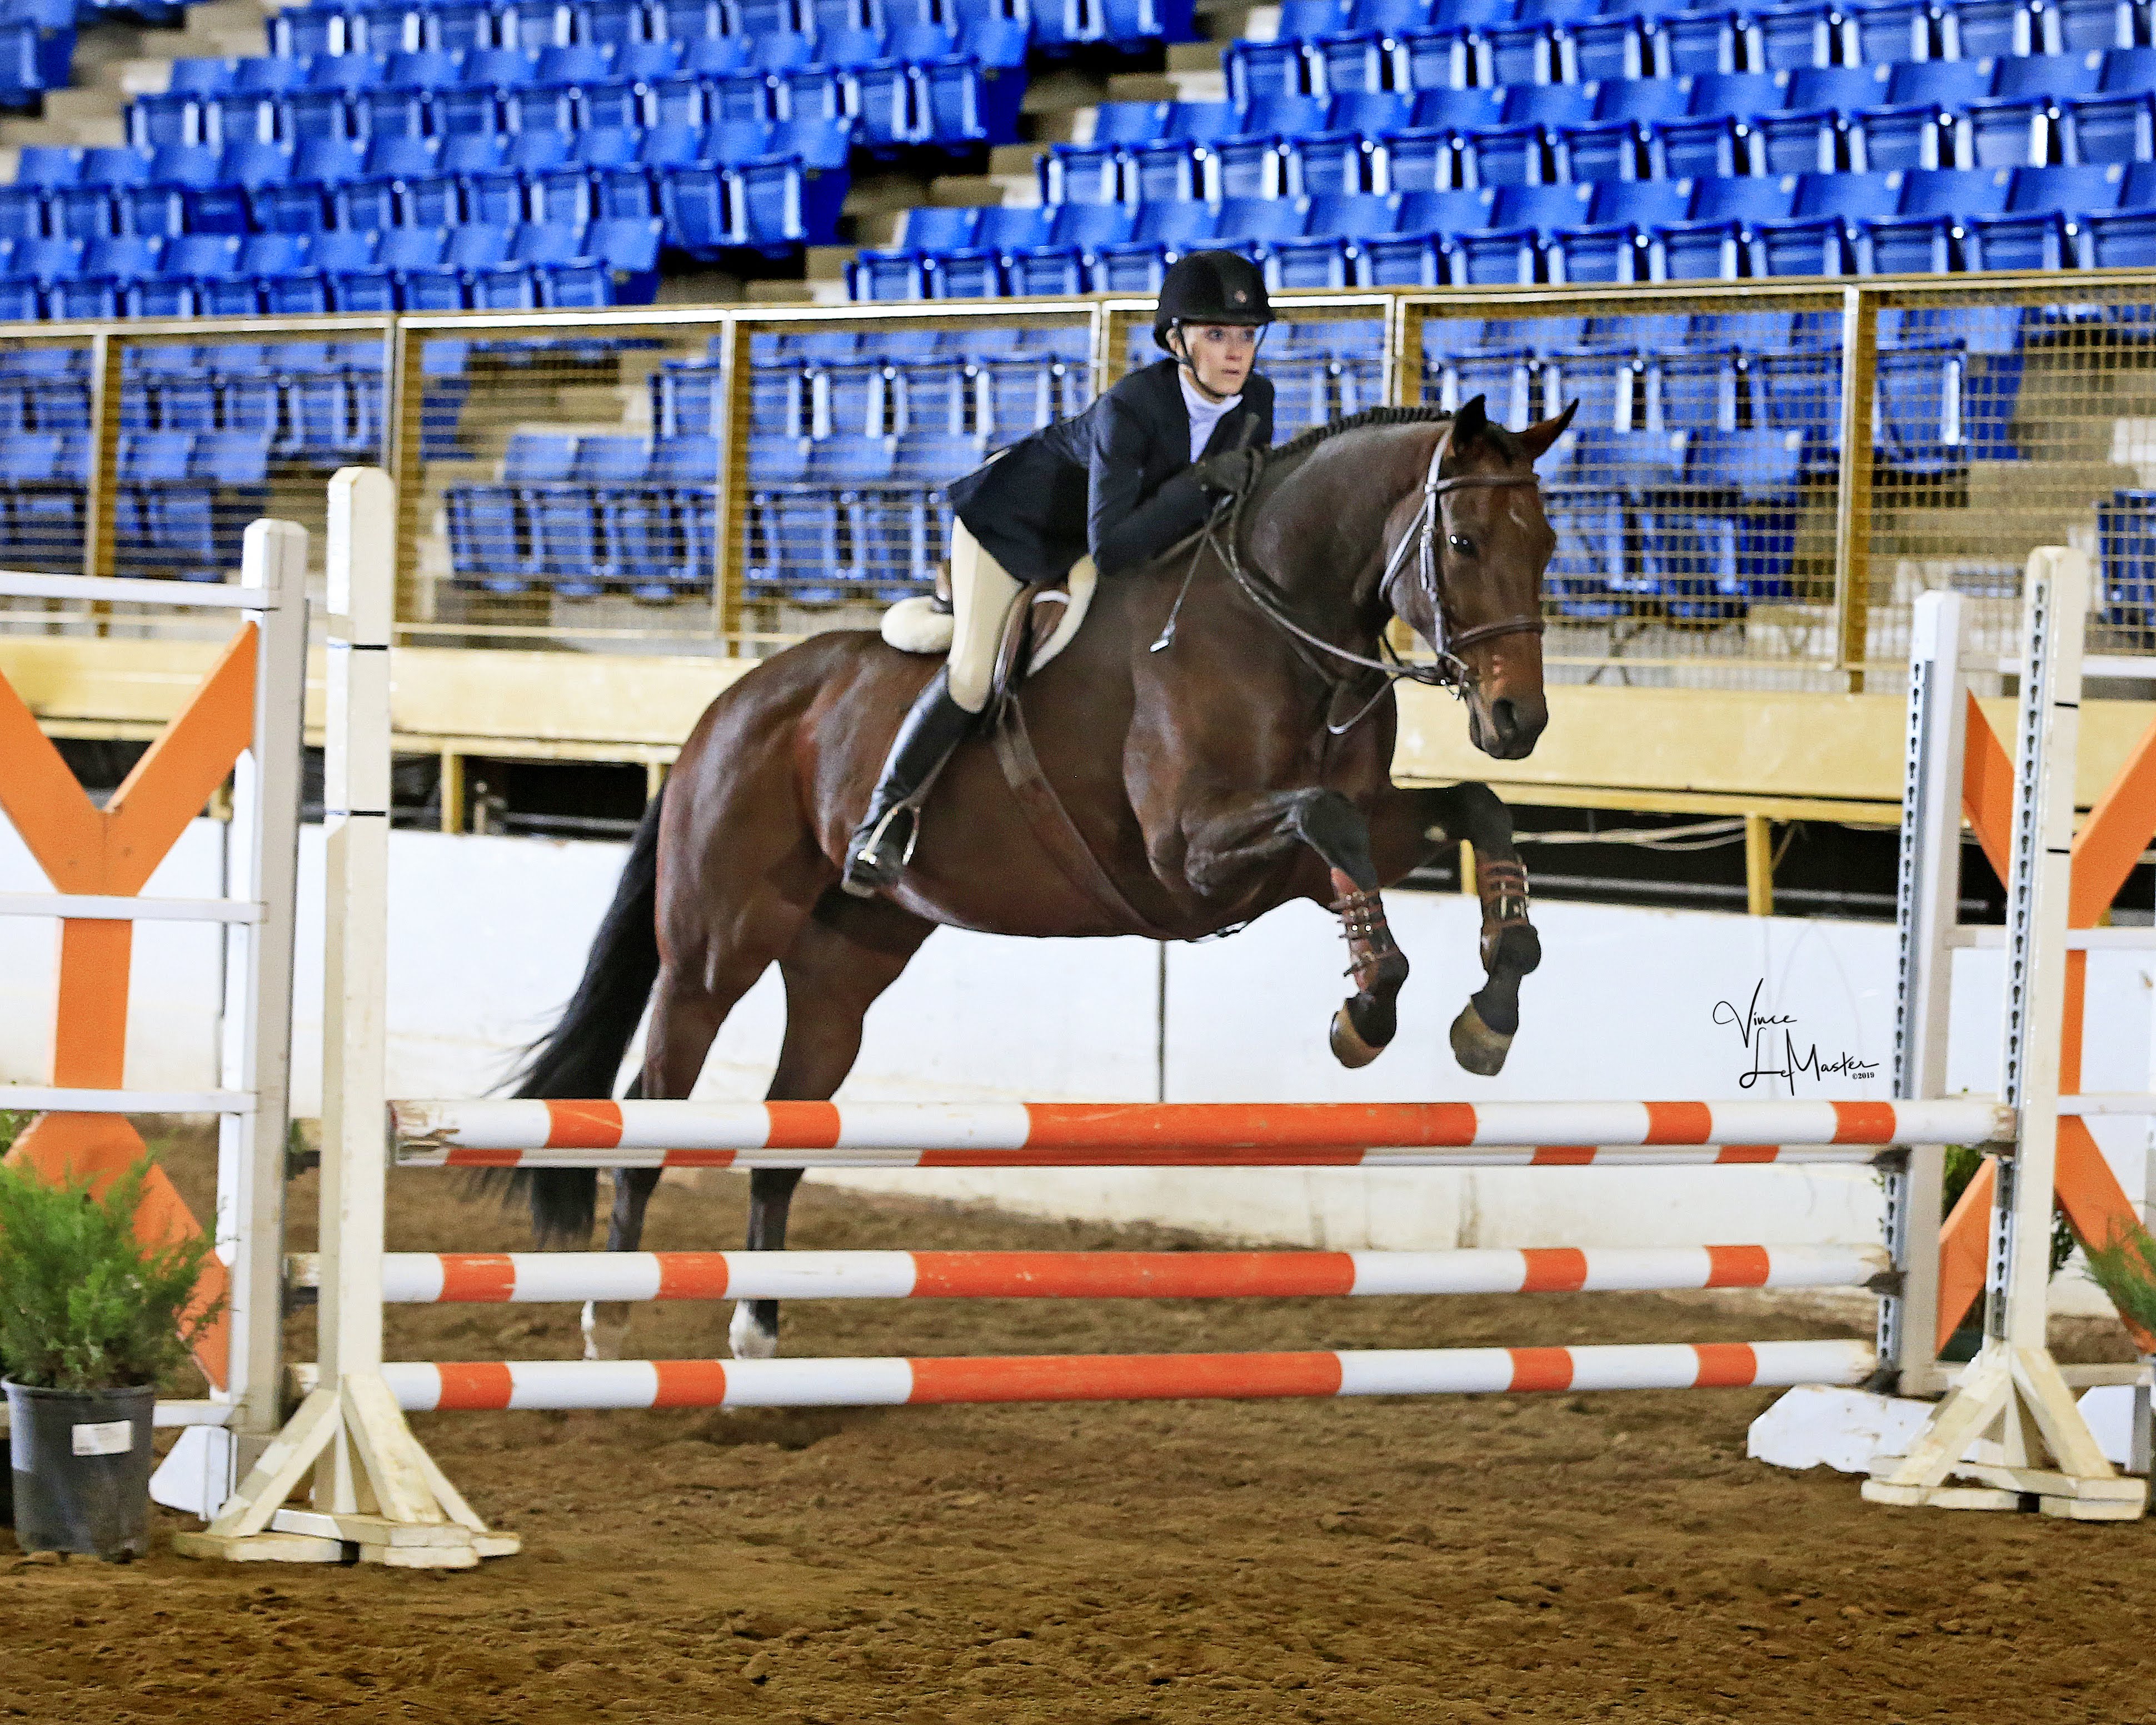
point(510, 1133)
point(484, 1386)
point(525, 1278)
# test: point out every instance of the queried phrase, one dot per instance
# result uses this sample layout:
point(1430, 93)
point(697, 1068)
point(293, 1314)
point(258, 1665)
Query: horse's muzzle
point(1506, 726)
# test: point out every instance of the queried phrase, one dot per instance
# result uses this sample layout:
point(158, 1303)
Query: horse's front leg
point(1262, 827)
point(1407, 827)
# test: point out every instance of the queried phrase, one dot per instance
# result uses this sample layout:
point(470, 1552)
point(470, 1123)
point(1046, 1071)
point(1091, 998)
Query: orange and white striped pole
point(514, 1133)
point(483, 1278)
point(484, 1386)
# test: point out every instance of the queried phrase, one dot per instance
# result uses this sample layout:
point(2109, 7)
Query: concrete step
point(1192, 75)
point(207, 17)
point(877, 227)
point(1168, 87)
point(66, 106)
point(109, 129)
point(1224, 20)
point(136, 77)
point(1013, 162)
point(797, 293)
point(828, 264)
point(1012, 190)
point(1061, 88)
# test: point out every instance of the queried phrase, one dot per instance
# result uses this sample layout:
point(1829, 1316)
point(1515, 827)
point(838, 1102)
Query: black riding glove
point(1231, 473)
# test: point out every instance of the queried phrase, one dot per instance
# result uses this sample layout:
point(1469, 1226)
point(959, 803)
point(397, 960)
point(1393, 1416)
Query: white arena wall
point(488, 936)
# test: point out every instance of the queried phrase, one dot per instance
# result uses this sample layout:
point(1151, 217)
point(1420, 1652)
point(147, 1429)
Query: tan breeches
point(982, 594)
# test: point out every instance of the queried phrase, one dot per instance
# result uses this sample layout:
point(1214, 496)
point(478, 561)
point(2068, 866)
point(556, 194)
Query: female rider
point(1142, 467)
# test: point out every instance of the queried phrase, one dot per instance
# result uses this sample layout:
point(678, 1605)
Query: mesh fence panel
point(2009, 418)
point(612, 485)
point(1693, 496)
point(45, 393)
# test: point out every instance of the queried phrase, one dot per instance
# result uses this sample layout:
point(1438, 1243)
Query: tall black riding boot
point(877, 852)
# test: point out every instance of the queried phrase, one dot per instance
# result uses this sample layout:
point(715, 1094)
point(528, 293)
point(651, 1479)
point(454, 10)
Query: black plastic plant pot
point(81, 1463)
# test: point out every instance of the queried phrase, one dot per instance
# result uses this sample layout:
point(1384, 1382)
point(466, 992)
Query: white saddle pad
point(915, 625)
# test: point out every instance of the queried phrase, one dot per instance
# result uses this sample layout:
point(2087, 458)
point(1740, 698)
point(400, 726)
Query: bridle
point(1449, 671)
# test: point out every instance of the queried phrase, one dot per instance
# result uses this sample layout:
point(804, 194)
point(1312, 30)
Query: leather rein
point(1450, 671)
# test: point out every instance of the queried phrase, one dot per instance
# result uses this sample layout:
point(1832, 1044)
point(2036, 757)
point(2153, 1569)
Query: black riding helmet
point(1210, 287)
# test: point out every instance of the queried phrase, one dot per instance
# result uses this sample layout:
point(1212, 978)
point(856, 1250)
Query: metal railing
point(1762, 477)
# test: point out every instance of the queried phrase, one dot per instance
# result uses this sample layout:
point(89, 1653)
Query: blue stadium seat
point(1420, 159)
point(1418, 254)
point(247, 110)
point(1341, 159)
point(975, 271)
point(94, 205)
point(1162, 232)
point(1715, 147)
point(2108, 128)
point(1064, 263)
point(1704, 42)
point(1508, 156)
point(177, 114)
point(1328, 252)
point(1249, 225)
point(1909, 136)
point(186, 262)
point(1689, 251)
point(896, 274)
point(1606, 150)
point(1256, 70)
point(1644, 203)
point(1494, 257)
point(2021, 132)
point(99, 286)
point(1951, 84)
point(1092, 172)
point(1615, 252)
point(1890, 30)
point(1177, 164)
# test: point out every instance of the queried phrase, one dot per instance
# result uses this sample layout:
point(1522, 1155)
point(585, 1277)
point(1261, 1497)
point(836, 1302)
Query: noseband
point(1450, 671)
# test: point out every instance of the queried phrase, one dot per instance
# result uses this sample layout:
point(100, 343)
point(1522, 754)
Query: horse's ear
point(1469, 423)
point(1538, 438)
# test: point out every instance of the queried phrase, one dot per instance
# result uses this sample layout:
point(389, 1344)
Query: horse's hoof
point(749, 1339)
point(606, 1329)
point(1348, 1047)
point(1479, 1049)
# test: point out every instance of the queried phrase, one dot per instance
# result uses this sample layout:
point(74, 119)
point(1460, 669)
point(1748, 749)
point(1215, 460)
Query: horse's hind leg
point(847, 953)
point(690, 1003)
point(1410, 826)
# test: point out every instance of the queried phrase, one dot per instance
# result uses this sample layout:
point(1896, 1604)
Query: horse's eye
point(1461, 543)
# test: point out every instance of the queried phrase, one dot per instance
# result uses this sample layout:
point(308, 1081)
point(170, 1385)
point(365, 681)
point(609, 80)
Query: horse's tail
point(581, 1056)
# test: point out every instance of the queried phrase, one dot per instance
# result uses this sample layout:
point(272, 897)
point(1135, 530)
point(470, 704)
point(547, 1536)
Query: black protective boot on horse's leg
point(881, 844)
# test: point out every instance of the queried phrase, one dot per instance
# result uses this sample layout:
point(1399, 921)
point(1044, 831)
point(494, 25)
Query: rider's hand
point(1231, 473)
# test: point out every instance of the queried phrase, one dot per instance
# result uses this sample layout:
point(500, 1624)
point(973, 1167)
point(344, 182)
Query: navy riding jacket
point(1122, 469)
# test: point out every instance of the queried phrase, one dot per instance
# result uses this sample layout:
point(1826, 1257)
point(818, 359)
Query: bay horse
point(1219, 734)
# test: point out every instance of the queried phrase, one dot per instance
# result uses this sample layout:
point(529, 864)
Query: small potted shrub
point(90, 1319)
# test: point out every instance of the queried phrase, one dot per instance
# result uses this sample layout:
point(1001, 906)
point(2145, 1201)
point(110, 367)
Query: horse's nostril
point(1505, 719)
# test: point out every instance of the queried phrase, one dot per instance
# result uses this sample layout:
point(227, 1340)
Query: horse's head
point(1476, 597)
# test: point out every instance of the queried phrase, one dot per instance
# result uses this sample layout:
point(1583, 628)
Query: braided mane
point(1304, 442)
